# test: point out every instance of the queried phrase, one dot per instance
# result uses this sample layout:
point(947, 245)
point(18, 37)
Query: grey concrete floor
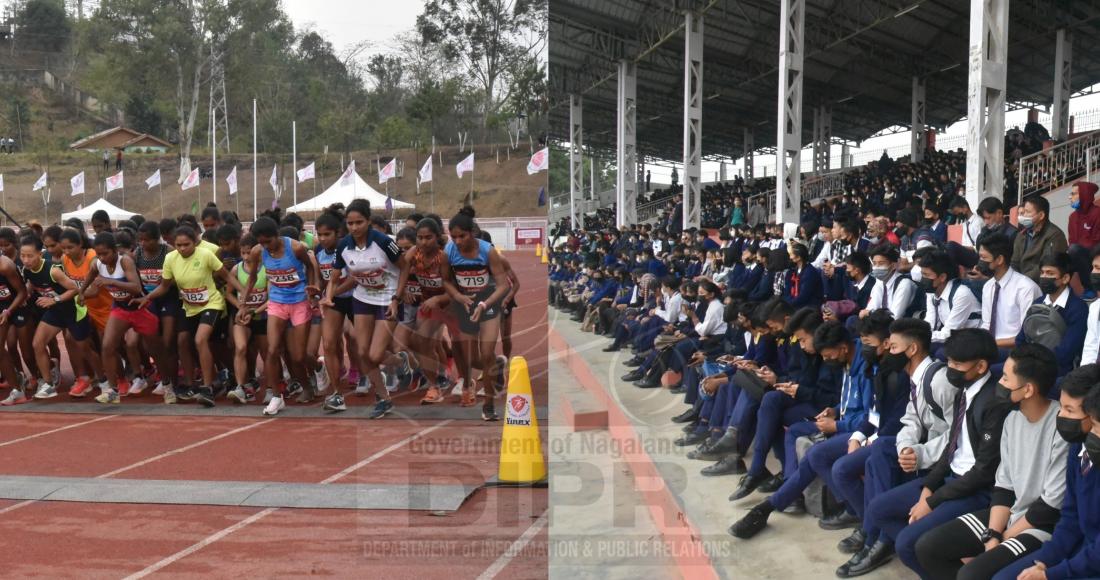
point(790, 546)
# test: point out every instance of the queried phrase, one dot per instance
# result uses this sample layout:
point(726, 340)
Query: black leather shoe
point(752, 523)
point(877, 555)
point(701, 451)
point(677, 390)
point(844, 571)
point(841, 521)
point(687, 416)
point(748, 484)
point(853, 543)
point(651, 382)
point(689, 427)
point(612, 348)
point(717, 448)
point(772, 484)
point(634, 362)
point(633, 376)
point(691, 439)
point(797, 507)
point(731, 464)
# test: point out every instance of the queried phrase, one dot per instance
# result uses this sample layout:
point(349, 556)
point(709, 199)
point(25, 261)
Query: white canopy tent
point(114, 212)
point(340, 193)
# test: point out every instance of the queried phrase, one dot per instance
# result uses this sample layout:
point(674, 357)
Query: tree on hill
point(43, 25)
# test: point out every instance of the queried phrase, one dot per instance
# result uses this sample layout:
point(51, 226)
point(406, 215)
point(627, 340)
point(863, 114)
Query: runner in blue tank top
point(291, 280)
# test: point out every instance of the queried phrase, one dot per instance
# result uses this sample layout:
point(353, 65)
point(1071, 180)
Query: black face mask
point(901, 232)
point(985, 268)
point(1092, 447)
point(869, 353)
point(832, 362)
point(1004, 393)
point(1048, 285)
point(1095, 279)
point(957, 378)
point(893, 362)
point(928, 285)
point(1070, 429)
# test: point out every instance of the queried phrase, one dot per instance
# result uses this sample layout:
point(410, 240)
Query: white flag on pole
point(465, 165)
point(154, 179)
point(274, 181)
point(77, 182)
point(540, 161)
point(426, 171)
point(1, 182)
point(40, 183)
point(346, 178)
point(388, 172)
point(191, 181)
point(231, 179)
point(307, 172)
point(114, 182)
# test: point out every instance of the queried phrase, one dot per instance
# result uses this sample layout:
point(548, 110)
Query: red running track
point(86, 540)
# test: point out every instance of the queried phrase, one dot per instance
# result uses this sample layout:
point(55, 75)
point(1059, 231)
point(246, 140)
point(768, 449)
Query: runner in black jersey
point(149, 258)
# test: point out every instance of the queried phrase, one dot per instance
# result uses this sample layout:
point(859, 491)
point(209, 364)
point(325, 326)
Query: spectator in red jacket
point(1084, 229)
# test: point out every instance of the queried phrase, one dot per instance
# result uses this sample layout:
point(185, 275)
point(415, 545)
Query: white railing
point(649, 211)
point(1043, 171)
point(770, 196)
point(821, 187)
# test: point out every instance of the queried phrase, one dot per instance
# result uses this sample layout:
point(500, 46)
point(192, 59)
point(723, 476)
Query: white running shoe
point(391, 382)
point(45, 391)
point(321, 378)
point(15, 397)
point(363, 388)
point(159, 389)
point(457, 391)
point(274, 406)
point(138, 386)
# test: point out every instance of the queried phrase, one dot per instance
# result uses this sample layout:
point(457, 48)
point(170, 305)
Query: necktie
point(1086, 464)
point(993, 309)
point(936, 307)
point(956, 426)
point(885, 295)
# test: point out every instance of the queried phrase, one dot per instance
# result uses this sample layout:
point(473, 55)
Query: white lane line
point(57, 430)
point(514, 549)
point(263, 514)
point(183, 449)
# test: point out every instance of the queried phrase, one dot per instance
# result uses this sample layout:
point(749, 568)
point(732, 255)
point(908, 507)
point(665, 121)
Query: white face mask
point(1026, 221)
point(880, 272)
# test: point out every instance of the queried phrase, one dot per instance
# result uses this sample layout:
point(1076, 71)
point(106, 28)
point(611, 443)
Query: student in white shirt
point(897, 291)
point(971, 222)
point(949, 303)
point(1091, 352)
point(670, 309)
point(1007, 294)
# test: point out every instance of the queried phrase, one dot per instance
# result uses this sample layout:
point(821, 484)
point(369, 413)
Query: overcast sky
point(346, 22)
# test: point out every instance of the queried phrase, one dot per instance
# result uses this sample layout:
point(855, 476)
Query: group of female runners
point(157, 306)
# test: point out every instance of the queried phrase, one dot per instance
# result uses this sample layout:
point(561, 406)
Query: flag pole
point(294, 133)
point(160, 190)
point(255, 208)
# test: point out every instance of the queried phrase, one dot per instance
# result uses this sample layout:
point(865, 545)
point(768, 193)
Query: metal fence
point(1061, 164)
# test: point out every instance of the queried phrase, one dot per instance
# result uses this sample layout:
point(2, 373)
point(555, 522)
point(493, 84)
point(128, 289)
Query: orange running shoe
point(469, 399)
point(432, 396)
point(80, 387)
point(123, 386)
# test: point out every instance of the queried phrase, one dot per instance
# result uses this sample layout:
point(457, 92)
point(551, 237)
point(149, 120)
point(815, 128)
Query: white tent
point(114, 212)
point(340, 193)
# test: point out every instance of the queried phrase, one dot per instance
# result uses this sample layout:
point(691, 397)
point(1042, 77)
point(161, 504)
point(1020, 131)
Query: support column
point(1063, 59)
point(815, 142)
point(918, 136)
point(985, 132)
point(845, 160)
point(693, 118)
point(825, 137)
point(576, 161)
point(626, 154)
point(747, 148)
point(788, 141)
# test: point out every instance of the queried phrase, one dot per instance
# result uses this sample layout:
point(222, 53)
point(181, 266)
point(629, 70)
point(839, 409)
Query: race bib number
point(120, 295)
point(473, 281)
point(431, 283)
point(150, 277)
point(5, 292)
point(257, 298)
point(197, 296)
point(371, 279)
point(414, 289)
point(283, 278)
point(45, 292)
point(326, 272)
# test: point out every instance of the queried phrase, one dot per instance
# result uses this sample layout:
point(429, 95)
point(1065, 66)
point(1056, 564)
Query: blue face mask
point(1075, 204)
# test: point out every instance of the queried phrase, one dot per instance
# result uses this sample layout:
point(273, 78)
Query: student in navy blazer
point(803, 285)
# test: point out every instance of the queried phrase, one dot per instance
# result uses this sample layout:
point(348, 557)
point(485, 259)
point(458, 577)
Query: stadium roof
point(861, 56)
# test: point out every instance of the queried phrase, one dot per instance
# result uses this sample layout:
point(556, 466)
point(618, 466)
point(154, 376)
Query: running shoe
point(239, 395)
point(138, 386)
point(335, 402)
point(55, 371)
point(80, 388)
point(123, 386)
point(321, 377)
point(15, 397)
point(268, 395)
point(469, 399)
point(362, 388)
point(488, 413)
point(108, 396)
point(45, 391)
point(205, 396)
point(405, 367)
point(294, 389)
point(381, 408)
point(306, 396)
point(432, 396)
point(391, 381)
point(274, 406)
point(459, 388)
point(169, 393)
point(185, 393)
point(159, 389)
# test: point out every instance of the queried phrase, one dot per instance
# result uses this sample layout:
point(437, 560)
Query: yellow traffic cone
point(521, 460)
point(545, 260)
point(538, 250)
